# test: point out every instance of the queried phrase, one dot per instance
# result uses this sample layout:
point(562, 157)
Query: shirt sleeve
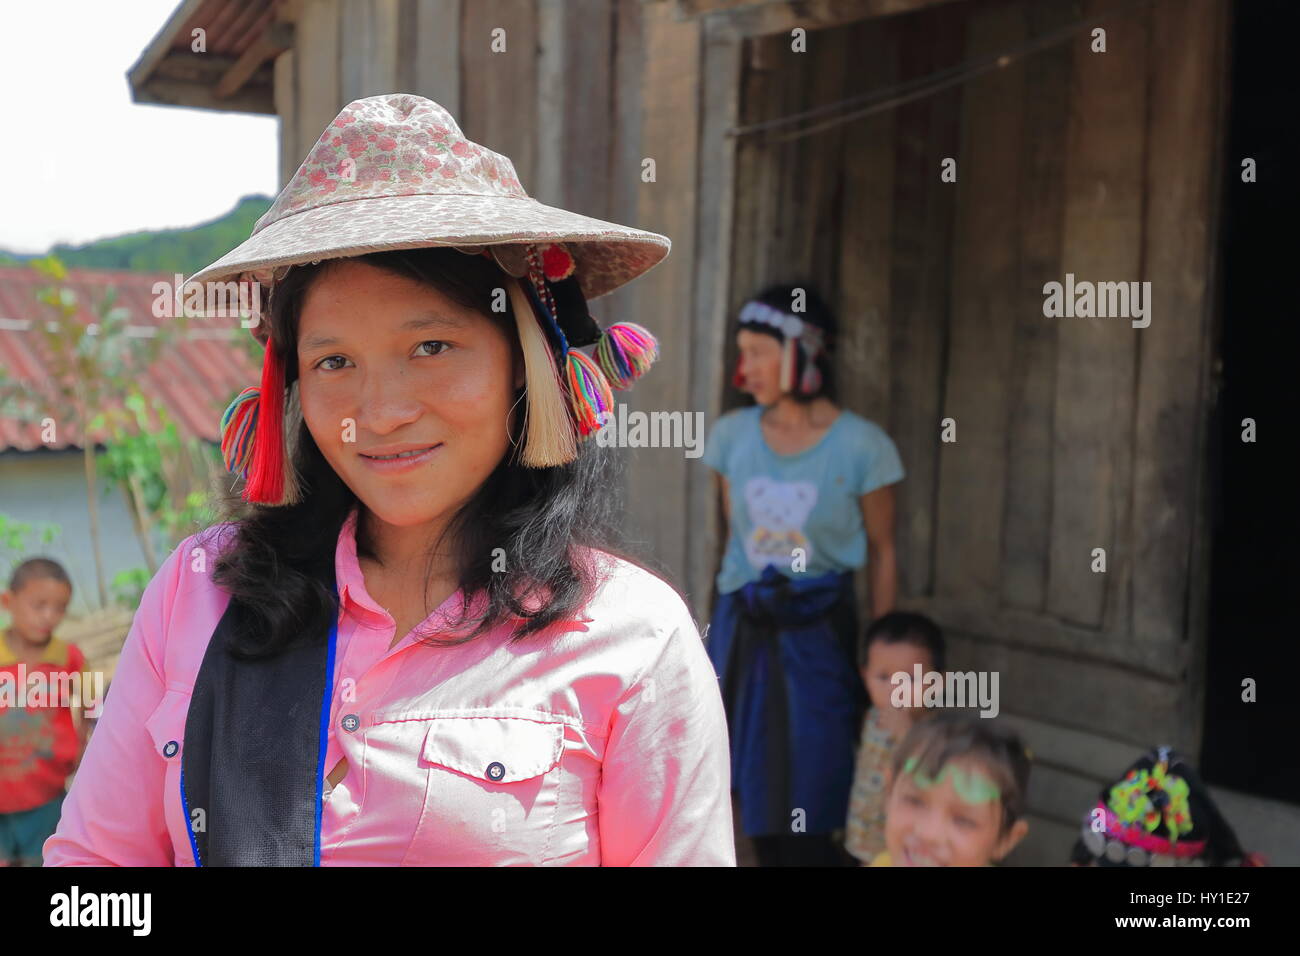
point(884, 467)
point(665, 789)
point(113, 814)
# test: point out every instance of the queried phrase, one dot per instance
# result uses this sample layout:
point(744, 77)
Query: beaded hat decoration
point(396, 172)
point(796, 334)
point(1158, 814)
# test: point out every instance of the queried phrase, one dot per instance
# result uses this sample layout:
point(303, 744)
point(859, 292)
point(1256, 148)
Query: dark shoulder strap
point(253, 761)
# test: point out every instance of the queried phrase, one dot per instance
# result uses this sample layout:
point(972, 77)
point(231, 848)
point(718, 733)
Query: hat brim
point(607, 254)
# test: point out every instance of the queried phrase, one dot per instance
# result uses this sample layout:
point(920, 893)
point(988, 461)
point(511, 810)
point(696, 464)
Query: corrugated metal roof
point(194, 381)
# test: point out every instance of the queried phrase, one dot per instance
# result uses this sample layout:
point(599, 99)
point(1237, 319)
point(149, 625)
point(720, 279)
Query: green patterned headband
point(973, 787)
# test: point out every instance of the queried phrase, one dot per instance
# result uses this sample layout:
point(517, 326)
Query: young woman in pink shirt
point(411, 644)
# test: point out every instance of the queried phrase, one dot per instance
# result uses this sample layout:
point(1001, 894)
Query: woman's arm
point(113, 814)
point(724, 492)
point(665, 785)
point(882, 560)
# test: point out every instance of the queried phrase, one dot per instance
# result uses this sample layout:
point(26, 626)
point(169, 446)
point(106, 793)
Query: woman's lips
point(389, 466)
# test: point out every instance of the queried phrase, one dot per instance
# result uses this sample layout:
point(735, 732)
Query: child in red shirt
point(42, 724)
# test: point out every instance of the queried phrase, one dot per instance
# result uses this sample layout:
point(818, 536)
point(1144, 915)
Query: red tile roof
point(194, 381)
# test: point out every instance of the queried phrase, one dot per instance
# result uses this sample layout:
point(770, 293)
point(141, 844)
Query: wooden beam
point(161, 44)
point(767, 18)
point(657, 477)
point(1185, 78)
point(1089, 696)
point(1026, 525)
point(277, 38)
point(1047, 633)
point(973, 468)
point(254, 98)
point(926, 131)
point(499, 90)
point(723, 63)
point(1093, 427)
point(316, 58)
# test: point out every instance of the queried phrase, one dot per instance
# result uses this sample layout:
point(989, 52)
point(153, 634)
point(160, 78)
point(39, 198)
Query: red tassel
point(266, 476)
point(738, 377)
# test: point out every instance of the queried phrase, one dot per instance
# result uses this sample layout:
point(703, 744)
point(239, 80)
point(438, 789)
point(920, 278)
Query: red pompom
point(557, 263)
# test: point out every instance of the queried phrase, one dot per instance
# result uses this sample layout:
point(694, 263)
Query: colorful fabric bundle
point(1158, 814)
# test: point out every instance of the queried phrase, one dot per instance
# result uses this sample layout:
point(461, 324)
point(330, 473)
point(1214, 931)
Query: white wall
point(49, 487)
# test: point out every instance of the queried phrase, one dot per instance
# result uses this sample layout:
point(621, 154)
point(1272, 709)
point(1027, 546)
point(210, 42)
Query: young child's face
point(954, 820)
point(886, 660)
point(36, 608)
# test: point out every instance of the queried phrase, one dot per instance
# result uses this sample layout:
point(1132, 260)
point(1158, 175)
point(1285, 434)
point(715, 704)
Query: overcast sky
point(79, 161)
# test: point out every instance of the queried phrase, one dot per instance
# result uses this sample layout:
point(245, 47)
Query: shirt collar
point(55, 652)
point(353, 595)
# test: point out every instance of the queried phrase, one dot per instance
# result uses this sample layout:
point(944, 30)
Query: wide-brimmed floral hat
point(396, 172)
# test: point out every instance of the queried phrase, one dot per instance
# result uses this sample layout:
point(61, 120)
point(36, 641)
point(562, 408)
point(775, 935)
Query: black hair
point(905, 627)
point(816, 312)
point(37, 569)
point(998, 749)
point(281, 561)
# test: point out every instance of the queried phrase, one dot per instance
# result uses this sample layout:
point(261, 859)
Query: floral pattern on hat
point(393, 145)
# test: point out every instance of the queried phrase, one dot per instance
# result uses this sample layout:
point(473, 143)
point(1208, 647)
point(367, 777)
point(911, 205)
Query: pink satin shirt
point(600, 743)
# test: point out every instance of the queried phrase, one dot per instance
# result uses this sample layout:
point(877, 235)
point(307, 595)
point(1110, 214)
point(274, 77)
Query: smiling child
point(956, 794)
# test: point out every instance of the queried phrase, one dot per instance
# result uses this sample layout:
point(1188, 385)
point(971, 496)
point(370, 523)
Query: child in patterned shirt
point(894, 642)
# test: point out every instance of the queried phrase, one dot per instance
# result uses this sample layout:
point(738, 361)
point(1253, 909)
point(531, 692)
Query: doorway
point(1255, 487)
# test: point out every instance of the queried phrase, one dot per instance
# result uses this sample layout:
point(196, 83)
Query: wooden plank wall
point(1072, 433)
point(1060, 446)
point(577, 105)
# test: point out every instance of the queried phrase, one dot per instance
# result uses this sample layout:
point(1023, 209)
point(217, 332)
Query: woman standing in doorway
point(807, 490)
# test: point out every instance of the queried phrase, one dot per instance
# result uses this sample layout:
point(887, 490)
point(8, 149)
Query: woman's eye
point(435, 342)
point(330, 358)
point(966, 823)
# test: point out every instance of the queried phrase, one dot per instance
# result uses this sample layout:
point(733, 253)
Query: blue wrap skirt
point(784, 650)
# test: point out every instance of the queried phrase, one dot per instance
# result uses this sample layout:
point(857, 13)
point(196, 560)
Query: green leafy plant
point(94, 373)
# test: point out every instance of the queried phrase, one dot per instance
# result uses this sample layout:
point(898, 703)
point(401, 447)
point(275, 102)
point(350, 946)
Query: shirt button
point(170, 748)
point(351, 722)
point(495, 770)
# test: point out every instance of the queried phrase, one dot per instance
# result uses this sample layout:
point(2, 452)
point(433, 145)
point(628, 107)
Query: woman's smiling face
point(387, 364)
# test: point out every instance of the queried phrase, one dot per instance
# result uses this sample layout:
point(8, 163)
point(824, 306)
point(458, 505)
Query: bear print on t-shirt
point(778, 511)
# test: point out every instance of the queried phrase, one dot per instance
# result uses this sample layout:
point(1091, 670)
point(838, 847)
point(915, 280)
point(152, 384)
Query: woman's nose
point(387, 400)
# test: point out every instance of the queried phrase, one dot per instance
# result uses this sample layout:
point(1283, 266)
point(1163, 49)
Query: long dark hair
point(281, 560)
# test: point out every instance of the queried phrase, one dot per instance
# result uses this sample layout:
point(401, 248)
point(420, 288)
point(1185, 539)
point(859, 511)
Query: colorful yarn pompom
point(589, 393)
point(625, 352)
point(238, 425)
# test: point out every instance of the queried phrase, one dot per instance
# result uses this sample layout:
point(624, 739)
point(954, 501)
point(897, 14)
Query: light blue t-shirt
point(809, 501)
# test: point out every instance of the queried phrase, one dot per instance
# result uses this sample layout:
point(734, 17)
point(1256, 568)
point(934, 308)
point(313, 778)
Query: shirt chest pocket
point(490, 784)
